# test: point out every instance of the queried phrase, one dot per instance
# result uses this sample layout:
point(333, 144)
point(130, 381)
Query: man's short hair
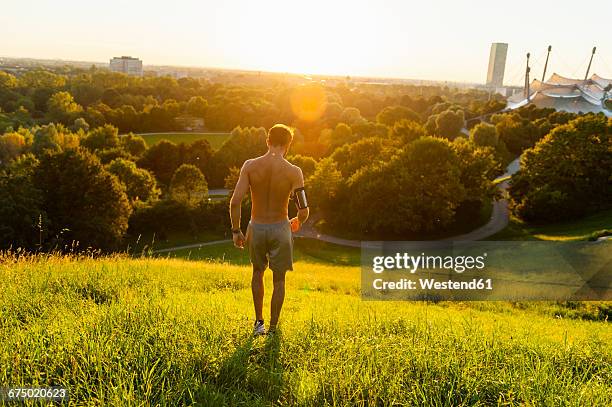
point(280, 135)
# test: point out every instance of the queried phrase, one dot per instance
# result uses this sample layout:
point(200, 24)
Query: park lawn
point(121, 331)
point(310, 250)
point(575, 230)
point(216, 140)
point(151, 242)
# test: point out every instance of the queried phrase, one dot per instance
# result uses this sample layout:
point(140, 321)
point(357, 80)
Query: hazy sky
point(427, 39)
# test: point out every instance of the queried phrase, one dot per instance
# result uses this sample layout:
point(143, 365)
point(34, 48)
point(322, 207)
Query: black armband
point(299, 195)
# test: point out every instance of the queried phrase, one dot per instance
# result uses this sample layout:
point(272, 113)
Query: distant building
point(567, 94)
point(497, 64)
point(126, 65)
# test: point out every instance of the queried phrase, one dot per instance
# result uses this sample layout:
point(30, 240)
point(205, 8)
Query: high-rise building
point(497, 64)
point(126, 65)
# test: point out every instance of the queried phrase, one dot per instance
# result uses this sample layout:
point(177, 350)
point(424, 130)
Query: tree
point(351, 115)
point(340, 135)
point(7, 81)
point(42, 79)
point(484, 134)
point(351, 157)
point(197, 106)
point(425, 180)
point(62, 108)
point(392, 114)
point(53, 138)
point(139, 184)
point(306, 164)
point(80, 124)
point(133, 144)
point(108, 155)
point(243, 144)
point(324, 185)
point(478, 167)
point(84, 202)
point(516, 133)
point(101, 138)
point(199, 153)
point(162, 159)
point(406, 131)
point(188, 185)
point(12, 146)
point(232, 179)
point(566, 174)
point(23, 222)
point(449, 124)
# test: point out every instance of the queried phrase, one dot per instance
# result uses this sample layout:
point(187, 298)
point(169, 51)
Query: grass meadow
point(172, 331)
point(585, 228)
point(216, 140)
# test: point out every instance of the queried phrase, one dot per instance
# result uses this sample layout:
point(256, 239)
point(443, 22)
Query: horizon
point(358, 40)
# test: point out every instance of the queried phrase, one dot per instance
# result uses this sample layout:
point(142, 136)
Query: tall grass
point(121, 331)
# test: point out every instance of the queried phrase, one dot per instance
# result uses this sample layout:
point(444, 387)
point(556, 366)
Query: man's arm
point(242, 187)
point(303, 213)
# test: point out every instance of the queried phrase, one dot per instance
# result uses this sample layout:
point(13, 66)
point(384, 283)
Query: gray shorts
point(270, 244)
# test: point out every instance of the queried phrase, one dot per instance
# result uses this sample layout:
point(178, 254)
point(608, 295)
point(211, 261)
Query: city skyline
point(439, 40)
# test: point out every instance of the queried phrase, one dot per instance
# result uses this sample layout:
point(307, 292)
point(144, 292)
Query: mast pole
point(586, 76)
point(546, 64)
point(527, 69)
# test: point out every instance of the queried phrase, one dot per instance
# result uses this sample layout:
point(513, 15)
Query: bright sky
point(423, 39)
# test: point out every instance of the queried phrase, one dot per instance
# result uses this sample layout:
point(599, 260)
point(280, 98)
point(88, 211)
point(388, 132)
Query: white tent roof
point(561, 93)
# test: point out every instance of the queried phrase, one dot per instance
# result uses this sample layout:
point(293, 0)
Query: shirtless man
point(272, 180)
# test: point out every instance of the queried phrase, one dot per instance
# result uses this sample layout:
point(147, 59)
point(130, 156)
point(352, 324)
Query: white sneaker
point(258, 328)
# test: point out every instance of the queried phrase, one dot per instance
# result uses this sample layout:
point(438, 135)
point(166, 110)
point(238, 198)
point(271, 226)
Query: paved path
point(220, 192)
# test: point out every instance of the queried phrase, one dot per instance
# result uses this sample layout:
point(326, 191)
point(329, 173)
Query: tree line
point(71, 170)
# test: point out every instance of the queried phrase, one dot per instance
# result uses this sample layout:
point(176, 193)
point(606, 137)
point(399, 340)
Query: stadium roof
point(571, 95)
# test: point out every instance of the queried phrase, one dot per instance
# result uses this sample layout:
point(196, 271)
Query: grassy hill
point(125, 331)
point(585, 228)
point(215, 139)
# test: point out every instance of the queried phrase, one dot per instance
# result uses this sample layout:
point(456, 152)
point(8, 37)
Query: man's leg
point(257, 288)
point(278, 296)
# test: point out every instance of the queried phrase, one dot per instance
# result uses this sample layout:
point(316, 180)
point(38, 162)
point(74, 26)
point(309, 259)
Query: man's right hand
point(295, 224)
point(238, 239)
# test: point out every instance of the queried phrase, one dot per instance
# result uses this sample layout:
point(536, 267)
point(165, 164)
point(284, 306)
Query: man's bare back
point(271, 179)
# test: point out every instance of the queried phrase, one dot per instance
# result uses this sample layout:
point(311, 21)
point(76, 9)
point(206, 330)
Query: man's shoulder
point(250, 163)
point(294, 169)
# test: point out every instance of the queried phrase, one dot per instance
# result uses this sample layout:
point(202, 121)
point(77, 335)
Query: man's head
point(281, 136)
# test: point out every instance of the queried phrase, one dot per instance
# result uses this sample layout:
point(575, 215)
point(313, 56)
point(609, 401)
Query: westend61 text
point(433, 284)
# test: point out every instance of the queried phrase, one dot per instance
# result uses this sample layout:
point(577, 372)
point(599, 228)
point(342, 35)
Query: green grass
point(308, 250)
point(216, 140)
point(579, 229)
point(150, 241)
point(121, 331)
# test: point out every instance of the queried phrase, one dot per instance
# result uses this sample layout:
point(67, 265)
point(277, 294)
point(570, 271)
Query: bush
point(567, 174)
point(84, 202)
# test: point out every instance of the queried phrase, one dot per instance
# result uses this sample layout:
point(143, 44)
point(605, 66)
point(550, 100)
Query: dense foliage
point(567, 173)
point(365, 149)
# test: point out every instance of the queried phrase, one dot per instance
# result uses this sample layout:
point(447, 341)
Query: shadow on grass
point(252, 375)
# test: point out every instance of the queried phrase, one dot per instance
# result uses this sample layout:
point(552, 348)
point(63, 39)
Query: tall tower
point(497, 64)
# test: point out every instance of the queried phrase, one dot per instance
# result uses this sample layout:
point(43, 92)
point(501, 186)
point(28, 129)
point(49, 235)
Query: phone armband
point(299, 195)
